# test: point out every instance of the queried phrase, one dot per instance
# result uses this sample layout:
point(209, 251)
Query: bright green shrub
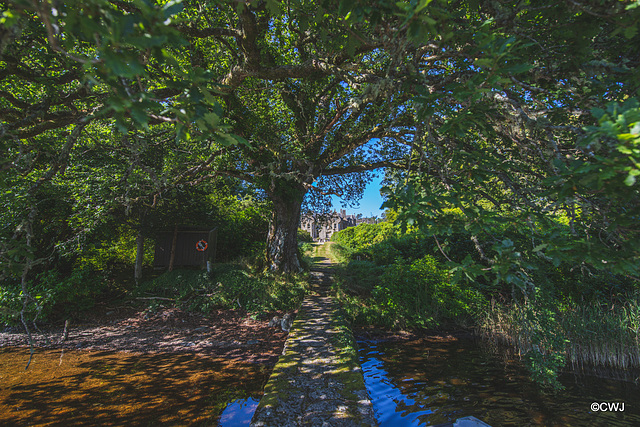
point(365, 235)
point(119, 251)
point(341, 253)
point(409, 292)
point(360, 277)
point(384, 253)
point(405, 294)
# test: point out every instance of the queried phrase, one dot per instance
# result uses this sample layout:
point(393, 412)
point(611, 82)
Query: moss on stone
point(343, 369)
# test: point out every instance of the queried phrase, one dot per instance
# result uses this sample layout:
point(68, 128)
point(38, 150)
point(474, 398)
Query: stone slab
point(318, 380)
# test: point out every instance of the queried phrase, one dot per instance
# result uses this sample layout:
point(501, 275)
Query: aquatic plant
point(551, 335)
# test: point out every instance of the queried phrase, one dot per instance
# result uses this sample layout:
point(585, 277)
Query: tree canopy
point(486, 106)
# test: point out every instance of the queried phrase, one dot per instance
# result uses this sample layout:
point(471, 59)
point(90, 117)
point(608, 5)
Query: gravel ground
point(225, 333)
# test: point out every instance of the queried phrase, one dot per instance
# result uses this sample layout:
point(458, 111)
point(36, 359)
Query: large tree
point(303, 96)
point(283, 96)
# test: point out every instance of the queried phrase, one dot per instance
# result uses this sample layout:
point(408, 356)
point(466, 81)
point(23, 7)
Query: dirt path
point(318, 380)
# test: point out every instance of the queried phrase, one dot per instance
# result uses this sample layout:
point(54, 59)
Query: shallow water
point(103, 388)
point(239, 412)
point(435, 381)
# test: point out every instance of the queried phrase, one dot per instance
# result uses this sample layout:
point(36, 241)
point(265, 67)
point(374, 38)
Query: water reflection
point(435, 381)
point(239, 412)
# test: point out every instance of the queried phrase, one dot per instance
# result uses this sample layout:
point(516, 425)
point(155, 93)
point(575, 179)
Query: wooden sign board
point(193, 248)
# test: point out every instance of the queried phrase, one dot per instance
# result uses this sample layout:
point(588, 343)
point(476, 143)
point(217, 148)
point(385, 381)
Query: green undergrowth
point(227, 286)
point(554, 314)
point(52, 294)
point(243, 284)
point(404, 295)
point(340, 253)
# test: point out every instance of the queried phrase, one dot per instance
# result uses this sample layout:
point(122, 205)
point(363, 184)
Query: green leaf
point(626, 136)
point(120, 66)
point(634, 4)
point(172, 7)
point(140, 116)
point(630, 180)
point(274, 7)
point(226, 139)
point(484, 62)
point(422, 5)
point(630, 32)
point(597, 112)
point(540, 247)
point(148, 41)
point(212, 119)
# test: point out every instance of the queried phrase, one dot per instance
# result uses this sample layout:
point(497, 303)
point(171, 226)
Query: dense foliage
point(303, 97)
point(411, 278)
point(510, 132)
point(84, 258)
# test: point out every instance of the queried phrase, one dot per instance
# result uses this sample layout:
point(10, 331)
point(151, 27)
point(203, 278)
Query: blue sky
point(370, 202)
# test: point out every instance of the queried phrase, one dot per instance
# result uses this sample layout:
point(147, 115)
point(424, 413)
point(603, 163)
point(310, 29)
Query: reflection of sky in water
point(431, 382)
point(389, 403)
point(239, 412)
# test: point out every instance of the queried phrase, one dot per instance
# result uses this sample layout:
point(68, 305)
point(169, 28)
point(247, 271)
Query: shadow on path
point(317, 380)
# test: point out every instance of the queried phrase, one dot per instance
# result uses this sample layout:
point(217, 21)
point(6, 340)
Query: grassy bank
point(229, 286)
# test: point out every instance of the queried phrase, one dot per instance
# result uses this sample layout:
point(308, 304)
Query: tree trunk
point(282, 240)
point(139, 256)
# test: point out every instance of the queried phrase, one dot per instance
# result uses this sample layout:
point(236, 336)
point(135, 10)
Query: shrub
point(228, 286)
point(385, 253)
point(118, 251)
point(365, 235)
point(408, 292)
point(304, 236)
point(10, 302)
point(405, 294)
point(341, 253)
point(52, 294)
point(359, 277)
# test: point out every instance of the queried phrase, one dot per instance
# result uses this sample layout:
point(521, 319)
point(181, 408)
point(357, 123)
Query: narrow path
point(317, 380)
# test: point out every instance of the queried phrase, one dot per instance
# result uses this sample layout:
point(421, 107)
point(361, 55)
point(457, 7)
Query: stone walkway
point(317, 380)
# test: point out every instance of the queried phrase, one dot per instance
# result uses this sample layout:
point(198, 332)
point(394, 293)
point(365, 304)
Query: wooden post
point(213, 244)
point(139, 256)
point(174, 242)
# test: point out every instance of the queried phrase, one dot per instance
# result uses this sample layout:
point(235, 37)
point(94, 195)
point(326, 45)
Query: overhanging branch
point(363, 167)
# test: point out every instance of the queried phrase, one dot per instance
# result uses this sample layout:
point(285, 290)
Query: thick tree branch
point(363, 167)
point(309, 70)
point(208, 32)
point(339, 152)
point(25, 73)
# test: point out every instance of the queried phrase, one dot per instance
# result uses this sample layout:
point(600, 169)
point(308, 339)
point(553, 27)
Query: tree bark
point(139, 256)
point(282, 239)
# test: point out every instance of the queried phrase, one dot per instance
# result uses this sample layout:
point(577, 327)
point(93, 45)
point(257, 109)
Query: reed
point(608, 336)
point(594, 335)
